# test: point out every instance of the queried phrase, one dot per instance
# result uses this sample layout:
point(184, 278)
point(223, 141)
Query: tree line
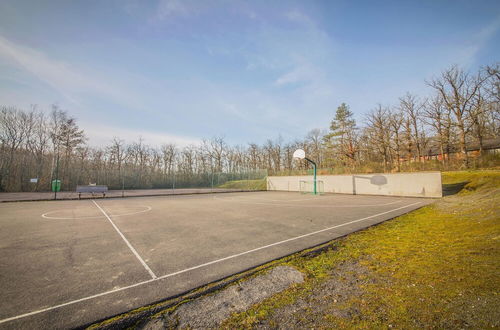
point(461, 110)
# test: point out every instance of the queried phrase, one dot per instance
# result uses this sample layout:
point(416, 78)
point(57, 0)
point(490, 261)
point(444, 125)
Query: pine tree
point(342, 138)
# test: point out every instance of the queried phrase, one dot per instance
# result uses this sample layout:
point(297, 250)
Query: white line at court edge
point(195, 267)
point(126, 241)
point(281, 242)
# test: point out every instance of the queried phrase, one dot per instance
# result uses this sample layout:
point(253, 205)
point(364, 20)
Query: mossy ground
point(437, 267)
point(245, 184)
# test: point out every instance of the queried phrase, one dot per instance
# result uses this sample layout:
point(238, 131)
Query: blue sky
point(179, 71)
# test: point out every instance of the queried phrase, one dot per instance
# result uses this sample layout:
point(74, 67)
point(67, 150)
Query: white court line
point(199, 266)
point(75, 301)
point(271, 200)
point(46, 216)
point(234, 200)
point(128, 243)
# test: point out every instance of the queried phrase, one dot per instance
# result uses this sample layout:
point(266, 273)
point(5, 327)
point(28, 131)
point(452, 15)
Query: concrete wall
point(418, 184)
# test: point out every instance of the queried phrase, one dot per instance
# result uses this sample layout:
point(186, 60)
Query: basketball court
point(70, 263)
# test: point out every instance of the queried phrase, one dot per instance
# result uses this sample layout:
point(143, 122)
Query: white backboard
point(299, 153)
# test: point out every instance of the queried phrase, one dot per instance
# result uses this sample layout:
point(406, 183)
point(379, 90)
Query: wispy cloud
point(76, 87)
point(247, 69)
point(75, 83)
point(100, 135)
point(470, 50)
point(296, 61)
point(169, 8)
point(60, 75)
point(53, 73)
point(298, 16)
point(302, 73)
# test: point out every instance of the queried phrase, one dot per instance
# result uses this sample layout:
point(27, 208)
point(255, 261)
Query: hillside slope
point(436, 267)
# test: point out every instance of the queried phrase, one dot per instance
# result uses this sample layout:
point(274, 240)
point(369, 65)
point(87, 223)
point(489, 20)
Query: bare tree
point(492, 96)
point(396, 120)
point(437, 116)
point(12, 134)
point(478, 119)
point(377, 121)
point(315, 141)
point(38, 143)
point(465, 108)
point(254, 156)
point(169, 152)
point(492, 75)
point(216, 149)
point(458, 90)
point(117, 152)
point(410, 107)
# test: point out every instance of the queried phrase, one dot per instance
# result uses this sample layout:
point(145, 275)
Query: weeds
point(437, 267)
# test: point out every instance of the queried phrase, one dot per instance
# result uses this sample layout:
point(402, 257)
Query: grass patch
point(245, 184)
point(436, 267)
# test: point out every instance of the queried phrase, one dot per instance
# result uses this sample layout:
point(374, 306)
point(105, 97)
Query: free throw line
point(153, 276)
point(195, 267)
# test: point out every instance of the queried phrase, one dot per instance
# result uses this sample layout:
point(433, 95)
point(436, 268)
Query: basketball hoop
point(301, 154)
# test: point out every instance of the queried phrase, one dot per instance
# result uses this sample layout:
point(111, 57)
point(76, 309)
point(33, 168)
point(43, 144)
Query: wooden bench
point(91, 189)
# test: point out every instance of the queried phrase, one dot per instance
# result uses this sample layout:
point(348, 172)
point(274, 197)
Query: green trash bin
point(56, 185)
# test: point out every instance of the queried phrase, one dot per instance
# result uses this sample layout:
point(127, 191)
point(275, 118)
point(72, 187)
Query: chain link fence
point(130, 182)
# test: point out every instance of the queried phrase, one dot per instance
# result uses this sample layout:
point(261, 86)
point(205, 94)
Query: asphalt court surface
point(69, 263)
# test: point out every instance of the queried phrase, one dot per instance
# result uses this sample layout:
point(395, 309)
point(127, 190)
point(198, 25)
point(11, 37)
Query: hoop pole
point(57, 174)
point(314, 169)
